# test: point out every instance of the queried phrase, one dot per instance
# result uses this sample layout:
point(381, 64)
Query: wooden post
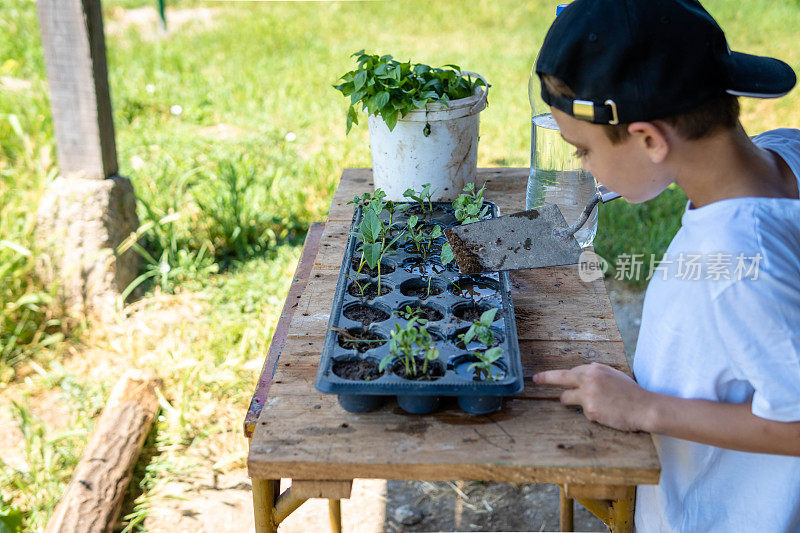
point(88, 211)
point(92, 500)
point(75, 59)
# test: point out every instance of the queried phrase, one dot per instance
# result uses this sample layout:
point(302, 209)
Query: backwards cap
point(632, 60)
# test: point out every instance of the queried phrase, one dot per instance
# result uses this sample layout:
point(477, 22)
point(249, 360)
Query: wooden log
point(92, 500)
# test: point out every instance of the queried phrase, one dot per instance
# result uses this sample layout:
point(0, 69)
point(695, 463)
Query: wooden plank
point(75, 60)
point(93, 498)
point(322, 488)
point(354, 182)
point(528, 441)
point(301, 274)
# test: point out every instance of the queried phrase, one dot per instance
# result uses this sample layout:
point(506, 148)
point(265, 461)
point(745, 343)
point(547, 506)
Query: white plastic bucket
point(447, 158)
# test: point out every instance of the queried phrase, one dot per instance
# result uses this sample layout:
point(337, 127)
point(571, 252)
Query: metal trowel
point(529, 239)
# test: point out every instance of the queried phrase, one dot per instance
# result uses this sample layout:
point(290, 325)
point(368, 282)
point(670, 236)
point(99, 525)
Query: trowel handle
point(606, 194)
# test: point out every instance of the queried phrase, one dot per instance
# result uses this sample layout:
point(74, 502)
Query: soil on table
point(421, 291)
point(357, 370)
point(370, 290)
point(365, 314)
point(355, 339)
point(371, 272)
point(467, 261)
point(435, 371)
point(427, 313)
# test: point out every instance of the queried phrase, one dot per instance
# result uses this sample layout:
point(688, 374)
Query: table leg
point(622, 512)
point(265, 493)
point(566, 509)
point(616, 513)
point(335, 513)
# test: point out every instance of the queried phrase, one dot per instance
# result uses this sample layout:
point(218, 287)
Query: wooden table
point(299, 433)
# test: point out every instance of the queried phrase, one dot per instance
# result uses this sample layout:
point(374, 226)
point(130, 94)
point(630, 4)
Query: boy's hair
point(718, 113)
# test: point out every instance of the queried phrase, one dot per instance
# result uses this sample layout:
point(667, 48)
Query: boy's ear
point(653, 139)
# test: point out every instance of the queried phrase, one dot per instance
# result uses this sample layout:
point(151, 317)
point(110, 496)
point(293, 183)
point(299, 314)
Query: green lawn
point(229, 195)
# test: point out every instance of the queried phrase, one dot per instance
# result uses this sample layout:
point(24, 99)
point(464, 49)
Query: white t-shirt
point(731, 340)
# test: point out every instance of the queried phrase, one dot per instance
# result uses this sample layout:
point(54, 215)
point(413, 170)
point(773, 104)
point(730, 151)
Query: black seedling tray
point(489, 290)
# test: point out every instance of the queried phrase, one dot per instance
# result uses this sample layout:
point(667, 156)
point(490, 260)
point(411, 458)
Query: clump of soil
point(425, 312)
point(470, 312)
point(466, 259)
point(357, 370)
point(371, 272)
point(435, 371)
point(360, 340)
point(365, 314)
point(420, 289)
point(370, 289)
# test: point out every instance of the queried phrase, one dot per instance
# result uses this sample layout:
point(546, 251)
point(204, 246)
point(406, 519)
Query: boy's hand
point(606, 395)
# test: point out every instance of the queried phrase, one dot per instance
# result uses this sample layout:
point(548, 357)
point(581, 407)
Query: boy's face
point(624, 168)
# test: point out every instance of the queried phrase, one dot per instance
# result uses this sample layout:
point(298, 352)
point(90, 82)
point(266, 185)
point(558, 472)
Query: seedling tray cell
point(361, 322)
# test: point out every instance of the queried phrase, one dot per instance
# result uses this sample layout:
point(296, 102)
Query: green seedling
point(469, 205)
point(423, 241)
point(390, 89)
point(481, 330)
point(446, 256)
point(374, 233)
point(412, 314)
point(482, 368)
point(421, 197)
point(409, 344)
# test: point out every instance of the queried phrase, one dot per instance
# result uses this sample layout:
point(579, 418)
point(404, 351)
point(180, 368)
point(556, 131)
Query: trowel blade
point(520, 240)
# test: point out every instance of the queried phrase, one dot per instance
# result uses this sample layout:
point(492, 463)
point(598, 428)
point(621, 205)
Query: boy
point(646, 91)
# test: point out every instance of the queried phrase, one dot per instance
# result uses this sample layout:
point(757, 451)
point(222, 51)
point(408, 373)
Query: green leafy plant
point(412, 314)
point(481, 331)
point(374, 233)
point(386, 87)
point(482, 368)
point(469, 205)
point(446, 255)
point(422, 238)
point(425, 194)
point(414, 347)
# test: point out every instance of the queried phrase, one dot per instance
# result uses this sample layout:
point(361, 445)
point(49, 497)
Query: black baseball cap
point(632, 60)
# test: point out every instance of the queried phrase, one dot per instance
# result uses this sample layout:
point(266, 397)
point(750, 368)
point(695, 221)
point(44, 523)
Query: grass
point(202, 116)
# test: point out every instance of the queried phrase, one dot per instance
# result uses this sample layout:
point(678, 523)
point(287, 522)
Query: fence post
point(89, 210)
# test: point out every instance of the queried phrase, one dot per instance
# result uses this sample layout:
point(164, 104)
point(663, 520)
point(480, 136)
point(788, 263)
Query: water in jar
point(556, 177)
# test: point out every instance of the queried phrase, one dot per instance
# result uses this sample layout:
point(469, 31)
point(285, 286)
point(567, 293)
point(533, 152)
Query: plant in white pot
point(423, 122)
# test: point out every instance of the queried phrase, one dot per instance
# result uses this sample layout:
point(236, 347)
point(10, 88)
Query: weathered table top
point(562, 322)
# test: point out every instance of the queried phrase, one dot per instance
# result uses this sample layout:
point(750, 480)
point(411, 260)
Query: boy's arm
point(613, 399)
